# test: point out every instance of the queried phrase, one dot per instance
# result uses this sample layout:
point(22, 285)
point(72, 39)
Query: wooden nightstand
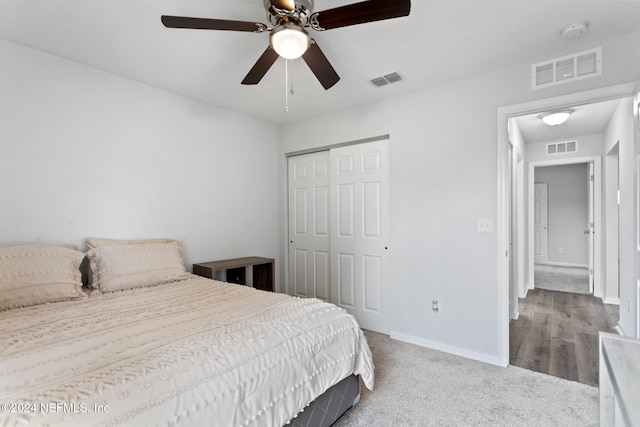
point(236, 269)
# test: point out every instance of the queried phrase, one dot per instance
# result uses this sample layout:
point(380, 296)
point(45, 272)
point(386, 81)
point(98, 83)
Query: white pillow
point(116, 267)
point(37, 274)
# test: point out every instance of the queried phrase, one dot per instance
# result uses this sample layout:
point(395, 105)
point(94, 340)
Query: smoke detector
point(574, 31)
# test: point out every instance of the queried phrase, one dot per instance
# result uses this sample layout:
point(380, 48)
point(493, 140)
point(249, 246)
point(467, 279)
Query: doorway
point(557, 329)
point(620, 92)
point(565, 210)
point(338, 229)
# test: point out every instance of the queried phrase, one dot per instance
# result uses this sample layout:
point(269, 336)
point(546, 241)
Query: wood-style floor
point(557, 333)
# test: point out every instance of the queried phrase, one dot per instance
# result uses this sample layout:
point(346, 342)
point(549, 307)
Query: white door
point(590, 229)
point(540, 223)
point(360, 232)
point(309, 243)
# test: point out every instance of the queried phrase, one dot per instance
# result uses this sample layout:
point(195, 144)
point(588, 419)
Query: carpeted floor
point(416, 386)
point(563, 279)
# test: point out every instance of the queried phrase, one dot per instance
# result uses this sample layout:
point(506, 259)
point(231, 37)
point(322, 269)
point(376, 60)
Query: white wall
point(621, 131)
point(568, 212)
point(443, 174)
point(87, 153)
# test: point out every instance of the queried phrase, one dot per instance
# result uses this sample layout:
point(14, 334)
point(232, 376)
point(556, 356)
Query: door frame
point(596, 207)
point(591, 227)
point(503, 208)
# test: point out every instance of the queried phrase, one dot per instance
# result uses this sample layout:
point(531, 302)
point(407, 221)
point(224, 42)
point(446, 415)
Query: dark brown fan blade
point(359, 13)
point(212, 24)
point(261, 67)
point(320, 66)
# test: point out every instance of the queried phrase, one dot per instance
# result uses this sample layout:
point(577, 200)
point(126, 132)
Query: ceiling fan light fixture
point(290, 41)
point(556, 118)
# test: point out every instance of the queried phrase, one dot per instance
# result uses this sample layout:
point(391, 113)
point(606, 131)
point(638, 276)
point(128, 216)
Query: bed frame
point(330, 405)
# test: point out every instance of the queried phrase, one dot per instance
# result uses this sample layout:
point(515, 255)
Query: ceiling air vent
point(562, 147)
point(578, 66)
point(386, 79)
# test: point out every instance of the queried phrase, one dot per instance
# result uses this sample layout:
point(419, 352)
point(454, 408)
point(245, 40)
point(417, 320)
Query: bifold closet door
point(309, 242)
point(360, 232)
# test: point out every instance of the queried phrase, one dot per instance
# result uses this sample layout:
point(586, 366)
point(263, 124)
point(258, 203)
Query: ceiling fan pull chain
point(291, 76)
point(286, 85)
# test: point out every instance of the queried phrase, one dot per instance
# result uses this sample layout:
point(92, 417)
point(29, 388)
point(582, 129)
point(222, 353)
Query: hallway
point(574, 280)
point(557, 334)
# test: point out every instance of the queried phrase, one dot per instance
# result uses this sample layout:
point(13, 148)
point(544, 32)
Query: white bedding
point(192, 353)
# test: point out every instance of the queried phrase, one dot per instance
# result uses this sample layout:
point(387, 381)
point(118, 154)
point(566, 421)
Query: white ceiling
point(440, 41)
point(588, 119)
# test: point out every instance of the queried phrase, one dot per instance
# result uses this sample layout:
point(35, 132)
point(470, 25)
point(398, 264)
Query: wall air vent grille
point(386, 79)
point(563, 147)
point(569, 68)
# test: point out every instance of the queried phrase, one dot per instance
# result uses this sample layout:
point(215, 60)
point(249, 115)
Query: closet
point(338, 229)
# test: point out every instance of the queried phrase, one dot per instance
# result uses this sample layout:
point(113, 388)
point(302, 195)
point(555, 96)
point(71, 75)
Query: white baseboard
point(614, 301)
point(567, 264)
point(411, 339)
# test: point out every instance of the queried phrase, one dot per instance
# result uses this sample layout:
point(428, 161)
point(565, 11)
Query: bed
point(151, 344)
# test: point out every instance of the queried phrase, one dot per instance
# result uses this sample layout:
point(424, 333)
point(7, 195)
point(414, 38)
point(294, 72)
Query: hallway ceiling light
point(556, 118)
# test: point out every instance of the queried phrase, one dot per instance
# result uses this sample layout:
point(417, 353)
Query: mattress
point(192, 353)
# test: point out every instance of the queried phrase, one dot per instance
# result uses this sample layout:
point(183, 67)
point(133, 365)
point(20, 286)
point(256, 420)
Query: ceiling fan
point(289, 38)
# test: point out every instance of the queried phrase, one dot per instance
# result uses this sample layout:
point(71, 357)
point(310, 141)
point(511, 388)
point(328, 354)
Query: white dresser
point(619, 380)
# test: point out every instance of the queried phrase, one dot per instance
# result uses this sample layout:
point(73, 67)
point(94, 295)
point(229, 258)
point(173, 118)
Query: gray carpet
point(563, 279)
point(416, 386)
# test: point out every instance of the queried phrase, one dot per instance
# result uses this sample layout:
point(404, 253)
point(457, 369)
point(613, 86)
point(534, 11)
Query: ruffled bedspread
point(191, 353)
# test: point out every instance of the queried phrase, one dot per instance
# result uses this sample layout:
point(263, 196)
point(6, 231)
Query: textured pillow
point(95, 242)
point(116, 267)
point(38, 274)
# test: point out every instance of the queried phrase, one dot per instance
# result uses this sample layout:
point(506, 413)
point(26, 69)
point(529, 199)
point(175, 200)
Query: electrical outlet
point(485, 225)
point(561, 250)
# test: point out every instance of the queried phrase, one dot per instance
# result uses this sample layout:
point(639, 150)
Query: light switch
point(485, 225)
